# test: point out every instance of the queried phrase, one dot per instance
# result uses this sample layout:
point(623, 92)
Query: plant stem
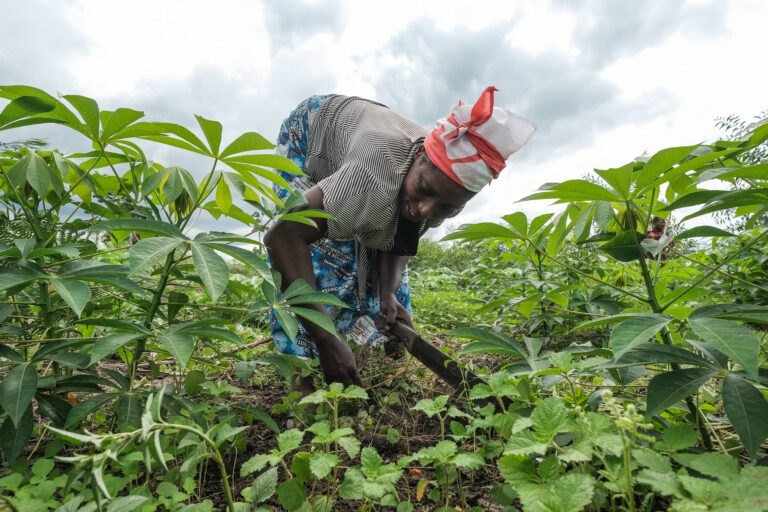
point(158, 295)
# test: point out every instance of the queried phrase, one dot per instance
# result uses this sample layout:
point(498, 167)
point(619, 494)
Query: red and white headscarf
point(472, 144)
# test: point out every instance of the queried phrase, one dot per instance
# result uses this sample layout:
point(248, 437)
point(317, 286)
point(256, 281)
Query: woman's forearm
point(390, 272)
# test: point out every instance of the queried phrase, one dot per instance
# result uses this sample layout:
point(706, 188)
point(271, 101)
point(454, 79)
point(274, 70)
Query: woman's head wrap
point(472, 144)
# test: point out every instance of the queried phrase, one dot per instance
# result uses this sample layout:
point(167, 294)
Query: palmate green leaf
point(114, 122)
point(666, 389)
point(24, 106)
point(488, 342)
point(60, 114)
point(17, 389)
point(75, 293)
point(88, 110)
point(34, 170)
point(483, 231)
point(693, 199)
point(249, 141)
point(223, 196)
point(10, 279)
point(734, 199)
point(518, 222)
point(619, 178)
point(635, 331)
point(245, 256)
point(179, 345)
point(320, 319)
point(702, 231)
point(652, 353)
point(747, 410)
point(574, 190)
point(172, 188)
point(151, 251)
point(759, 171)
point(141, 226)
point(625, 246)
point(661, 162)
point(212, 269)
point(212, 132)
point(110, 344)
point(739, 343)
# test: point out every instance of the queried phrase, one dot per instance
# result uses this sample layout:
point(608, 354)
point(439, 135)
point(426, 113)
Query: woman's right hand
point(338, 362)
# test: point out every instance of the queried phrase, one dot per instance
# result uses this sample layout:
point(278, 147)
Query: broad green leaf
point(678, 437)
point(702, 231)
point(223, 196)
point(739, 343)
point(150, 251)
point(129, 411)
point(126, 503)
point(24, 106)
point(15, 437)
point(86, 407)
point(88, 110)
point(666, 389)
point(635, 331)
point(118, 120)
point(717, 465)
point(370, 460)
point(172, 188)
point(574, 190)
point(320, 319)
point(292, 494)
point(212, 269)
point(624, 246)
point(747, 410)
point(519, 223)
point(655, 353)
point(249, 141)
point(488, 342)
point(17, 389)
point(289, 440)
point(179, 345)
point(75, 293)
point(550, 417)
point(350, 445)
point(619, 178)
point(759, 171)
point(694, 199)
point(570, 493)
point(25, 245)
point(264, 486)
point(10, 279)
point(35, 170)
point(212, 132)
point(659, 163)
point(141, 226)
point(289, 324)
point(245, 256)
point(110, 344)
point(583, 224)
point(321, 463)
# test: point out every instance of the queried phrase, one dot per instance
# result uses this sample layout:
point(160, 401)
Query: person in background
point(658, 229)
point(385, 180)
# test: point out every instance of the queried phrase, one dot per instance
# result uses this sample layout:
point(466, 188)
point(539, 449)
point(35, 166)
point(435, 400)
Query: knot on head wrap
point(472, 144)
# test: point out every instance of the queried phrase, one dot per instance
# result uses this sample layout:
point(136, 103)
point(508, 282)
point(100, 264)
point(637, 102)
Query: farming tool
point(461, 379)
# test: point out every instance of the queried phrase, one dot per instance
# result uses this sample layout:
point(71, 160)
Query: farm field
point(621, 372)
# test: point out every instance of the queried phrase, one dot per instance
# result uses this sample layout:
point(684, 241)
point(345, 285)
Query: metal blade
point(431, 356)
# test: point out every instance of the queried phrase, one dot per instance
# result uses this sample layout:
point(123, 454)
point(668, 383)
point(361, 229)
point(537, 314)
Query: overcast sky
point(604, 80)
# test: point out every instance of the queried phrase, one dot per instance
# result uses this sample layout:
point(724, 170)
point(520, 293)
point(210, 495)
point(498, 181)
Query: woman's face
point(427, 193)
